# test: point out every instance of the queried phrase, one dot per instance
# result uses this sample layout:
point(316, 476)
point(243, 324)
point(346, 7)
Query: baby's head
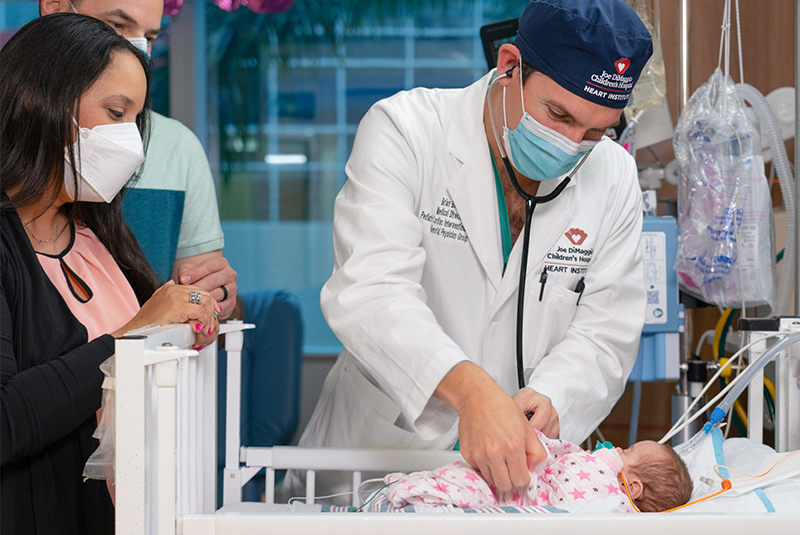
point(656, 476)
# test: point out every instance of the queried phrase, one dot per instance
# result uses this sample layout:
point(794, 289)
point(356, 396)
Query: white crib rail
point(347, 460)
point(166, 410)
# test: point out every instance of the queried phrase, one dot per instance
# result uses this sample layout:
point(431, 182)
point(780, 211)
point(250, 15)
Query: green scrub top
point(505, 227)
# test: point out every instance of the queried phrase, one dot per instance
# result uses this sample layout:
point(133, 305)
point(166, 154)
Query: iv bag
point(725, 243)
point(651, 87)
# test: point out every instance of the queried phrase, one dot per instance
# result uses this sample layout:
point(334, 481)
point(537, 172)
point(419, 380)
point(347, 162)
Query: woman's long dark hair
point(45, 68)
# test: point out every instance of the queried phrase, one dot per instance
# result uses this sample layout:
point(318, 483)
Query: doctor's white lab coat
point(418, 284)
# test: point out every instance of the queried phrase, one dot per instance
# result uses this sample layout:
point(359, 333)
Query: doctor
point(424, 288)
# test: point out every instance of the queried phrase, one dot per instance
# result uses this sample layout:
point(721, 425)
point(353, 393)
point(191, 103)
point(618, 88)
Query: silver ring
point(216, 315)
point(195, 297)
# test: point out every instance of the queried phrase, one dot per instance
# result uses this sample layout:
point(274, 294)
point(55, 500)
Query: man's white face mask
point(106, 158)
point(140, 43)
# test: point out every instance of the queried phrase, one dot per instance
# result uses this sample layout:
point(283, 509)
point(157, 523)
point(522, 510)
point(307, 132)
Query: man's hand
point(209, 271)
point(545, 416)
point(494, 435)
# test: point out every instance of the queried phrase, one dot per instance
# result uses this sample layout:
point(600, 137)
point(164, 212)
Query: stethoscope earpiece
point(510, 72)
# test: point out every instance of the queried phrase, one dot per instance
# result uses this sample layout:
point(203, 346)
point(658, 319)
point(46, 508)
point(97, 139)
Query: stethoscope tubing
point(530, 205)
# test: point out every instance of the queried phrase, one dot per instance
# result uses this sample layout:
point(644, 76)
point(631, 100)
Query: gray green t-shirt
point(172, 208)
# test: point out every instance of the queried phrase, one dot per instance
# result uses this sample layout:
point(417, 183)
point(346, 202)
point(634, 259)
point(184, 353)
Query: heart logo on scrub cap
point(622, 65)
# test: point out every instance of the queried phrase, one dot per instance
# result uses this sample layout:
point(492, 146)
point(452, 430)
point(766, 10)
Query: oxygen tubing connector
point(716, 417)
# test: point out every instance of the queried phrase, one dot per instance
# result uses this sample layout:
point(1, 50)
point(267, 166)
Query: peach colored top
point(112, 302)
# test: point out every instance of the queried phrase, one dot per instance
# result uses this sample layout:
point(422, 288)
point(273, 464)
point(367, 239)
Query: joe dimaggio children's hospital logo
point(612, 85)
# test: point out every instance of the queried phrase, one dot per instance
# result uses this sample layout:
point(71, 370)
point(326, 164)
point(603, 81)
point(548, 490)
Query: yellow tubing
point(740, 412)
point(718, 331)
point(727, 371)
point(770, 387)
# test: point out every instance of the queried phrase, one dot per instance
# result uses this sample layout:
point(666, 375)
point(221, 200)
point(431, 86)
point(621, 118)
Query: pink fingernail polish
point(209, 330)
point(198, 327)
point(200, 348)
point(220, 308)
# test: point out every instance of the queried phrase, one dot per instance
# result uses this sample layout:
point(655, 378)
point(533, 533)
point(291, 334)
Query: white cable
point(728, 425)
point(358, 491)
point(319, 497)
point(736, 224)
point(726, 39)
point(739, 35)
point(733, 359)
point(721, 40)
point(373, 480)
point(680, 424)
point(702, 340)
point(673, 432)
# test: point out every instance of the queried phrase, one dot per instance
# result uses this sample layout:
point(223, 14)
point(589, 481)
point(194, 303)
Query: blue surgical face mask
point(539, 152)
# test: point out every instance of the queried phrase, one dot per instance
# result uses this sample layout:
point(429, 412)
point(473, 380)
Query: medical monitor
point(493, 36)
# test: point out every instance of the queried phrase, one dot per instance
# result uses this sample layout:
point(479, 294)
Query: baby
point(655, 475)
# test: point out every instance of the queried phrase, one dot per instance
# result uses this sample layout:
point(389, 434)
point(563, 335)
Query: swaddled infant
point(655, 475)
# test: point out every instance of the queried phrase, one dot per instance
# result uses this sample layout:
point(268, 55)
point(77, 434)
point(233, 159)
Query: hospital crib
point(166, 463)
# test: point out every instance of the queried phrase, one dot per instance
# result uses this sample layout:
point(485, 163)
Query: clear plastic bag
point(100, 464)
point(725, 243)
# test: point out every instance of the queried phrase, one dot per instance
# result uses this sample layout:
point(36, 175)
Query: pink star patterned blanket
point(569, 474)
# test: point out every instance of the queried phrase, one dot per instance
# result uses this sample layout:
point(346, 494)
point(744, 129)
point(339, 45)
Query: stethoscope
point(530, 204)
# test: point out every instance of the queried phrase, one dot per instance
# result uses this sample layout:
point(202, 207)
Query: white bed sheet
point(746, 456)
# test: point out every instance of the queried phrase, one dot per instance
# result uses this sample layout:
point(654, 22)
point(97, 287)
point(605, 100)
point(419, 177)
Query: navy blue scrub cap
point(595, 49)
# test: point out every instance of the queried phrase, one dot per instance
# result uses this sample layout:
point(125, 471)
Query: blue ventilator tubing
point(722, 409)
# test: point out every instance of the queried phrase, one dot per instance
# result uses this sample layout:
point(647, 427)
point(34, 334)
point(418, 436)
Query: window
point(288, 93)
point(284, 94)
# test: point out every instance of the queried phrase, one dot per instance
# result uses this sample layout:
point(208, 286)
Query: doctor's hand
point(211, 272)
point(495, 437)
point(545, 416)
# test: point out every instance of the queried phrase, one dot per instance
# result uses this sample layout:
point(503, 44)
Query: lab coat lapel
point(472, 189)
point(549, 223)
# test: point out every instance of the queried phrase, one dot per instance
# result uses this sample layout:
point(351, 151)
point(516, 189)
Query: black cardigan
point(49, 393)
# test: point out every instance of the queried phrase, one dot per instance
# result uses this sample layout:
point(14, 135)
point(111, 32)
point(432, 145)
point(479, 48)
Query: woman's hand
point(172, 304)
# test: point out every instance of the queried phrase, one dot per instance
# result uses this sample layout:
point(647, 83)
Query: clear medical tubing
point(722, 409)
point(785, 177)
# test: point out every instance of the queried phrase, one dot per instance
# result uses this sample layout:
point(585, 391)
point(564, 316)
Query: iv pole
point(681, 399)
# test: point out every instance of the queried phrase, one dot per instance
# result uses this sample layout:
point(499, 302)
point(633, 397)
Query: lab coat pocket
point(550, 319)
point(377, 410)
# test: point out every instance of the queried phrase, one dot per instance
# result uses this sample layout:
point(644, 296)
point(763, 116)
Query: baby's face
point(647, 449)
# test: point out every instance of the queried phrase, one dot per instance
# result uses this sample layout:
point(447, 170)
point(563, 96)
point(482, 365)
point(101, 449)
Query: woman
point(72, 95)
